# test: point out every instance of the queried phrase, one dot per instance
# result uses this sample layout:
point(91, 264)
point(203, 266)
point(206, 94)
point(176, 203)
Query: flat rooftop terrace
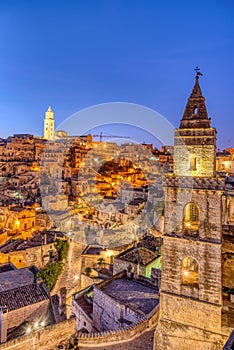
point(138, 295)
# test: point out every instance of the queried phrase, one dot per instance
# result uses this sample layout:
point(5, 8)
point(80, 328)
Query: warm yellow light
point(186, 273)
point(188, 224)
point(108, 253)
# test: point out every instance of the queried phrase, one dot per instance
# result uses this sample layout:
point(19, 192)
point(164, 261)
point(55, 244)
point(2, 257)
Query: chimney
point(45, 239)
point(3, 324)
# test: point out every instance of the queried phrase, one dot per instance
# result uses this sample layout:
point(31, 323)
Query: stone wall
point(209, 203)
point(109, 313)
point(82, 319)
point(45, 339)
point(208, 256)
point(89, 280)
point(121, 335)
point(200, 143)
point(18, 316)
point(190, 312)
point(120, 265)
point(37, 256)
point(171, 335)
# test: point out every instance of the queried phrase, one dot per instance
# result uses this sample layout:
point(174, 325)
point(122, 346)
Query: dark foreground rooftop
point(140, 296)
point(23, 296)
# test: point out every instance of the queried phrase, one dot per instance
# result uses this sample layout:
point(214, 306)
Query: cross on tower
point(197, 69)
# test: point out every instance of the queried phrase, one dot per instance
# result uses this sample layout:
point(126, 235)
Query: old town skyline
point(116, 175)
point(138, 54)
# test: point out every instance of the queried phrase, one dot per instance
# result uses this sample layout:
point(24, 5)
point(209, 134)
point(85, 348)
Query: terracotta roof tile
point(26, 295)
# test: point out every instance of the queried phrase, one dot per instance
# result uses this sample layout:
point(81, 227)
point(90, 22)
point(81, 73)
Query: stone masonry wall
point(210, 208)
point(16, 317)
point(190, 312)
point(46, 339)
point(176, 336)
point(108, 313)
point(200, 143)
point(208, 256)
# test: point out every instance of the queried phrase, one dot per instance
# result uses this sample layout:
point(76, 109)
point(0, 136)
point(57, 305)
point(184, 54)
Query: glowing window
point(190, 271)
point(191, 218)
point(193, 163)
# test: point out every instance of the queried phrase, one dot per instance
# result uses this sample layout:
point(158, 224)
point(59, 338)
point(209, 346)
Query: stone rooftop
point(139, 255)
point(142, 297)
point(93, 250)
point(6, 267)
point(15, 279)
point(137, 201)
point(150, 241)
point(17, 209)
point(23, 296)
point(20, 244)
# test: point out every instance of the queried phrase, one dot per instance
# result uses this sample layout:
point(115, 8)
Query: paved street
point(70, 276)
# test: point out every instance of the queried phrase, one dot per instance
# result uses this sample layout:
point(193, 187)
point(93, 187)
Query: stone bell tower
point(49, 125)
point(191, 282)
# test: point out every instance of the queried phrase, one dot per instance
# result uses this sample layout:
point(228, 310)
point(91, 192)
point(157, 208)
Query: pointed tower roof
point(195, 113)
point(49, 114)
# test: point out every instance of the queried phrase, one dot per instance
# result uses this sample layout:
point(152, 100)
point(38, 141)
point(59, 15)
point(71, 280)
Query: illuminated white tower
point(49, 125)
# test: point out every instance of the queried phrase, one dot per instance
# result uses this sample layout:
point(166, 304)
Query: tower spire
point(195, 113)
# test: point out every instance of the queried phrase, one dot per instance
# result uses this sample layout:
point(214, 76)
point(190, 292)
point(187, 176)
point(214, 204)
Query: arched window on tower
point(191, 220)
point(195, 110)
point(193, 163)
point(190, 271)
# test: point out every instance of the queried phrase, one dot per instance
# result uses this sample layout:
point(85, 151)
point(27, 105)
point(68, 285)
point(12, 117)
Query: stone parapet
point(128, 333)
point(204, 183)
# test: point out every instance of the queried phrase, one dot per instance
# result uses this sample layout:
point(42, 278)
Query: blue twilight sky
point(75, 54)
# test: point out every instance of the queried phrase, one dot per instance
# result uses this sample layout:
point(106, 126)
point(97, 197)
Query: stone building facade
point(115, 304)
point(191, 285)
point(24, 304)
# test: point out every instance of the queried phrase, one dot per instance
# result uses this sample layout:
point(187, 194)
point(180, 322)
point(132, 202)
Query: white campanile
point(49, 125)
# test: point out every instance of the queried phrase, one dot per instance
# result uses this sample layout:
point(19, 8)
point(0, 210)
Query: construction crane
point(119, 137)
